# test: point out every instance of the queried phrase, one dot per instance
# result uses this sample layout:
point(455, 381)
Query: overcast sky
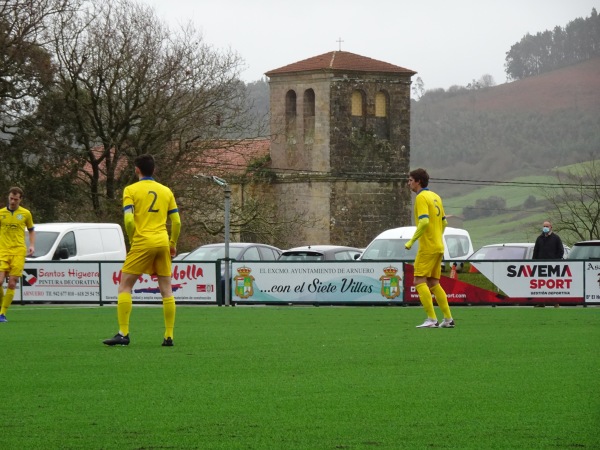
point(448, 42)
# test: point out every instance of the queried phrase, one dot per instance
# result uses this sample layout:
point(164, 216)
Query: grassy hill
point(518, 223)
point(517, 132)
point(522, 128)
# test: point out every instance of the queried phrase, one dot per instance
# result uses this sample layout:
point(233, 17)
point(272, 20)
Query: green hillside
point(517, 223)
point(522, 128)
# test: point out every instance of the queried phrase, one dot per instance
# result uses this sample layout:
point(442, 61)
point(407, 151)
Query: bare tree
point(575, 209)
point(132, 86)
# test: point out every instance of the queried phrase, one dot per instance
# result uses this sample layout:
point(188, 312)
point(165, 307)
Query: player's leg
point(124, 301)
point(8, 296)
point(163, 270)
point(440, 295)
point(420, 282)
point(2, 278)
point(135, 263)
point(17, 263)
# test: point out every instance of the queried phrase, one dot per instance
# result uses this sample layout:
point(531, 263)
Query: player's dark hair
point(420, 175)
point(16, 190)
point(146, 164)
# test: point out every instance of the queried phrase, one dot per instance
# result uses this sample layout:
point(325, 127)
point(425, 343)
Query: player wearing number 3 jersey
point(147, 205)
point(431, 222)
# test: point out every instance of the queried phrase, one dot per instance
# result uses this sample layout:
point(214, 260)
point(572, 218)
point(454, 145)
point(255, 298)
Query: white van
point(390, 245)
point(78, 241)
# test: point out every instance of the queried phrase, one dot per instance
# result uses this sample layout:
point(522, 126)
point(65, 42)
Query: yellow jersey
point(428, 204)
point(151, 203)
point(12, 230)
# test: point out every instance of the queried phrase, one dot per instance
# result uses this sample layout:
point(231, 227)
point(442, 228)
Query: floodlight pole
point(227, 190)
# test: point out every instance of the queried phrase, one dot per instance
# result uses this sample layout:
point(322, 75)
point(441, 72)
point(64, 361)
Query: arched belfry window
point(381, 102)
point(382, 106)
point(359, 104)
point(290, 115)
point(309, 116)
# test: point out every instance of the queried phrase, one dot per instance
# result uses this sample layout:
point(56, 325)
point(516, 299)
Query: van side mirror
point(63, 253)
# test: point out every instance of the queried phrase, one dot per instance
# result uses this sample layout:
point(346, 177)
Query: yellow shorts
point(153, 261)
point(428, 265)
point(13, 264)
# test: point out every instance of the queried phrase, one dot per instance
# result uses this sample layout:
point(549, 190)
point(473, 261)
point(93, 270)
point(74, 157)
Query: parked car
point(585, 250)
point(390, 245)
point(321, 253)
point(522, 250)
point(180, 256)
point(240, 251)
point(508, 251)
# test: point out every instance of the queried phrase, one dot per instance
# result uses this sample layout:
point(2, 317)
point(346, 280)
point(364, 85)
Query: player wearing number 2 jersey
point(147, 205)
point(431, 222)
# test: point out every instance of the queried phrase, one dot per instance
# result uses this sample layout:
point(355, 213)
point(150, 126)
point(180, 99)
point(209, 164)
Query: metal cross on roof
point(339, 41)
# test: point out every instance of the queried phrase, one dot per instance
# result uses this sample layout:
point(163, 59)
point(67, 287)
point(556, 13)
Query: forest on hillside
point(548, 50)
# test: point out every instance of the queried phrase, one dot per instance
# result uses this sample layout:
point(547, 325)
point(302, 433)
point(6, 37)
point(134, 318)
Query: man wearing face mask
point(548, 245)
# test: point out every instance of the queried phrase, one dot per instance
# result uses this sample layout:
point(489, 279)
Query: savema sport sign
point(539, 279)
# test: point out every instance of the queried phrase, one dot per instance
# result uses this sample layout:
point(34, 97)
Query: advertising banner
point(65, 282)
point(527, 279)
point(190, 282)
point(312, 282)
point(592, 281)
point(344, 282)
point(457, 292)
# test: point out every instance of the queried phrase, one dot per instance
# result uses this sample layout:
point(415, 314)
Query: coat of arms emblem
point(244, 283)
point(390, 283)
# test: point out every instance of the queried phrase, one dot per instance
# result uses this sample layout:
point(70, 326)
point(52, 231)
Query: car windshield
point(390, 249)
point(213, 253)
point(500, 253)
point(44, 240)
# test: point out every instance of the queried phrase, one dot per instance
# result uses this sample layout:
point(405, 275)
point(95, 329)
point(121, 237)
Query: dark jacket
point(548, 246)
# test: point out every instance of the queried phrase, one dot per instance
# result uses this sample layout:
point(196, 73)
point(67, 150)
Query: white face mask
point(546, 230)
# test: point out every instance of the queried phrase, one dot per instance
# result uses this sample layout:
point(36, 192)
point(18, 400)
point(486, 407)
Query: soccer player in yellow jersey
point(13, 221)
point(431, 222)
point(147, 205)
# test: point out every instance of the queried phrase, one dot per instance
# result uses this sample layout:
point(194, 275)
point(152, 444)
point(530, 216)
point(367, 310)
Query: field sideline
point(300, 378)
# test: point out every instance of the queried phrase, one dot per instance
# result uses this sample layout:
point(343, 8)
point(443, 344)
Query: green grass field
point(301, 378)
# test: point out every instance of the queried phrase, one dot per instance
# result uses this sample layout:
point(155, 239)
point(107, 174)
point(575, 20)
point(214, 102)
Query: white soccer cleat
point(447, 323)
point(429, 323)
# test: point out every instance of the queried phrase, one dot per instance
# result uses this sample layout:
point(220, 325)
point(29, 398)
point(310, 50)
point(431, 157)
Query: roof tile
point(340, 61)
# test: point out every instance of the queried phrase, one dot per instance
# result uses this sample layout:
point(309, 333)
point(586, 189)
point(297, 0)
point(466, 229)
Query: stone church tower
point(341, 146)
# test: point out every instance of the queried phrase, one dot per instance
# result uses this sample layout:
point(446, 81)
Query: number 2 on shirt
point(151, 209)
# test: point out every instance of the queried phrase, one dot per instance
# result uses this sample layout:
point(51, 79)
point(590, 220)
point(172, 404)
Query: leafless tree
point(131, 86)
point(575, 207)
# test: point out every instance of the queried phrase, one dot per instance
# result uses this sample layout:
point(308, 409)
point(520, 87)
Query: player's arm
point(31, 249)
point(175, 230)
point(129, 221)
point(421, 227)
